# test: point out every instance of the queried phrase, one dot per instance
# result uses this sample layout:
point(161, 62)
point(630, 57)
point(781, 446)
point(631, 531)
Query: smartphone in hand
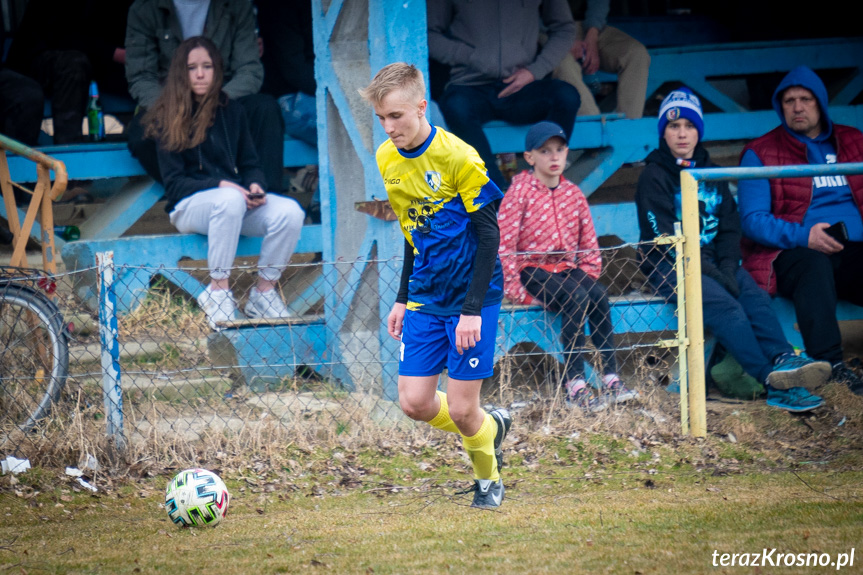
point(838, 232)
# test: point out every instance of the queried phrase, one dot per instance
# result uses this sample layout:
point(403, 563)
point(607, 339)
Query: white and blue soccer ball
point(196, 498)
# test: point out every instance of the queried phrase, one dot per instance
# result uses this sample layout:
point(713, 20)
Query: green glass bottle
point(68, 233)
point(95, 119)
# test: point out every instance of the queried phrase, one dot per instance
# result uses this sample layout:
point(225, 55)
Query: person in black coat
point(214, 182)
point(21, 106)
point(65, 45)
point(289, 63)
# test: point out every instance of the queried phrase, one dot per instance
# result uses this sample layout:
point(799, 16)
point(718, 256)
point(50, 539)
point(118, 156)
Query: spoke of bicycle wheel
point(26, 361)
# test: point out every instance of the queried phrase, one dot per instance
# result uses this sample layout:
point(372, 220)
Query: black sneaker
point(844, 374)
point(503, 419)
point(487, 494)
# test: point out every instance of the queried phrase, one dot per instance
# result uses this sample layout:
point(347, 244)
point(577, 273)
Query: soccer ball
point(196, 497)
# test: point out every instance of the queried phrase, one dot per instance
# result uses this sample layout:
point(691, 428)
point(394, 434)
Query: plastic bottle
point(593, 84)
point(68, 233)
point(591, 81)
point(95, 119)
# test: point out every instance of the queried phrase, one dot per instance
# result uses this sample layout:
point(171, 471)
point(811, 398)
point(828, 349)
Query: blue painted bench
point(634, 313)
point(619, 141)
point(139, 259)
point(268, 354)
point(630, 314)
point(103, 231)
point(699, 66)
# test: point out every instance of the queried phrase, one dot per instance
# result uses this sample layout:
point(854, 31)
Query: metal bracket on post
point(112, 393)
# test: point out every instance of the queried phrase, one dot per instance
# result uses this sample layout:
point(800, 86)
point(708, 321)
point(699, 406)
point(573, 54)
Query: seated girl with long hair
point(214, 183)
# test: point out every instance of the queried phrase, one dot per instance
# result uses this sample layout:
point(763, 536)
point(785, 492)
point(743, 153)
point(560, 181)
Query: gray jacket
point(153, 34)
point(485, 41)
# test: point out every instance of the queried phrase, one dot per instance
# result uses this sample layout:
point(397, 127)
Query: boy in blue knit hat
point(736, 310)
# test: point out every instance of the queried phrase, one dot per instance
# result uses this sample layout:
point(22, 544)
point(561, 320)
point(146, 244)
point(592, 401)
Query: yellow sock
point(480, 449)
point(442, 420)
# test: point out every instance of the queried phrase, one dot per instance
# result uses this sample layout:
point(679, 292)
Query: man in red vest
point(803, 237)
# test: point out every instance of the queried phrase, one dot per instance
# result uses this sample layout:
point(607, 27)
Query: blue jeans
point(747, 327)
point(301, 117)
point(467, 108)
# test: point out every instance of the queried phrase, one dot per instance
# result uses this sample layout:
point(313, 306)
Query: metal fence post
point(694, 317)
point(112, 393)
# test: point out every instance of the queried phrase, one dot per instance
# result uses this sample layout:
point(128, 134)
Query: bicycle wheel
point(34, 356)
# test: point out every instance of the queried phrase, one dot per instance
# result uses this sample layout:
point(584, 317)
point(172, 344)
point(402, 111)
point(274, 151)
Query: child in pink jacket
point(550, 255)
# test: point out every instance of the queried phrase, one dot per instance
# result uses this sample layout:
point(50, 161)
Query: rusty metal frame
point(43, 195)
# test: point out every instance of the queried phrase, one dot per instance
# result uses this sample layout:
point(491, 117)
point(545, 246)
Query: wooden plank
point(255, 323)
point(122, 210)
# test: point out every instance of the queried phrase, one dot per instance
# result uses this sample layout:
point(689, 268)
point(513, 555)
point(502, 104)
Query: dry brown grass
point(178, 414)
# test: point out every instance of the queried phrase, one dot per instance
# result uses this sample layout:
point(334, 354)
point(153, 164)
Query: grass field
point(588, 503)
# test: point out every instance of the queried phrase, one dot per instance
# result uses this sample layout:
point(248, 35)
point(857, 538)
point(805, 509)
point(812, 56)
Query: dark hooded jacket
point(227, 153)
point(657, 199)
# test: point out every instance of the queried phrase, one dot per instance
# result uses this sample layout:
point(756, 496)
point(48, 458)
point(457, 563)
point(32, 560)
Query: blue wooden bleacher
point(614, 142)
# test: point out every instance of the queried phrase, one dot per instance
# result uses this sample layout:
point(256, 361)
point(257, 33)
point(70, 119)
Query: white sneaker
point(219, 305)
point(615, 390)
point(578, 395)
point(266, 305)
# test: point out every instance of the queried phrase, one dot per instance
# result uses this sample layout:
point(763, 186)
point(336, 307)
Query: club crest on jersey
point(433, 180)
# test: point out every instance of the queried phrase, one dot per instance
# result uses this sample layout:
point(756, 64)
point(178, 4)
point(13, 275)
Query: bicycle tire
point(34, 356)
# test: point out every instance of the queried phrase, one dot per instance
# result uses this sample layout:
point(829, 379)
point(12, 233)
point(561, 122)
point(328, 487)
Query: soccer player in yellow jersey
point(446, 310)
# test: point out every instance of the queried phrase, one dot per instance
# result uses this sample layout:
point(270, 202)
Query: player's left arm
point(484, 222)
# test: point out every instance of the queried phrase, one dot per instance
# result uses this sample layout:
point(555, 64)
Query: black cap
point(542, 132)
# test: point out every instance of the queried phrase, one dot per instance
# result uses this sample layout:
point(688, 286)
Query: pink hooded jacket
point(555, 228)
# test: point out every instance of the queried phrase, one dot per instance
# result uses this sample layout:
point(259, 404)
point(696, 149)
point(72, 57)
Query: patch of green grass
point(736, 451)
point(554, 523)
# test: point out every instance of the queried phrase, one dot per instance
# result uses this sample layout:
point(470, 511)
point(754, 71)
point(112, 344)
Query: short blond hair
point(396, 76)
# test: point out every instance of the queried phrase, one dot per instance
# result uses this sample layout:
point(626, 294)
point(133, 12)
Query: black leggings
point(576, 296)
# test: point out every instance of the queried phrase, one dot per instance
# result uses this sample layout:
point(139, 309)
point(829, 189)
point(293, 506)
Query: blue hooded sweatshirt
point(831, 196)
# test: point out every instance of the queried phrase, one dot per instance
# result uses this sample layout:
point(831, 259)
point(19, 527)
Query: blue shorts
point(428, 345)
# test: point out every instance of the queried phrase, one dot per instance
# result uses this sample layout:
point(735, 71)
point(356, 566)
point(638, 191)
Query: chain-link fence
point(147, 372)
